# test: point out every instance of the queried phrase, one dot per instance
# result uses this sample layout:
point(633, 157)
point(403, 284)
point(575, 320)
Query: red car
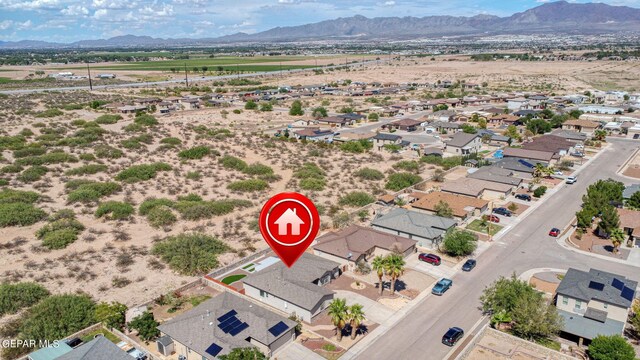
point(492, 218)
point(430, 258)
point(554, 232)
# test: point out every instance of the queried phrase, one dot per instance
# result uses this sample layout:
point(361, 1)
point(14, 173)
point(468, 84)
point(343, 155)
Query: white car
point(559, 173)
point(571, 179)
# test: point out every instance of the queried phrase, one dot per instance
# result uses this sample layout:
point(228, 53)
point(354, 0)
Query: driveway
point(373, 310)
point(296, 351)
point(437, 272)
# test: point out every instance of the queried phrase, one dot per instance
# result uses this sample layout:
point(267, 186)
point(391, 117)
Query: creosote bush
point(115, 210)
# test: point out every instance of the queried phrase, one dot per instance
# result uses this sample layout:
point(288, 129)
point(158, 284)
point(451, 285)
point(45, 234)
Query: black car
point(502, 211)
point(452, 336)
point(469, 265)
point(524, 197)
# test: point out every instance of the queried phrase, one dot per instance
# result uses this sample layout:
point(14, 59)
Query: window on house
point(263, 294)
point(606, 306)
point(565, 300)
point(578, 304)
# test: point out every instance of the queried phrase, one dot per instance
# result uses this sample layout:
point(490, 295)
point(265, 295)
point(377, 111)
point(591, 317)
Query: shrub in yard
point(248, 185)
point(108, 152)
point(87, 169)
point(144, 172)
point(152, 203)
point(232, 162)
point(459, 242)
point(356, 199)
point(190, 254)
point(399, 181)
point(115, 210)
point(146, 326)
point(195, 153)
point(407, 165)
point(20, 214)
point(14, 297)
point(538, 192)
point(161, 216)
point(369, 174)
point(108, 119)
point(32, 174)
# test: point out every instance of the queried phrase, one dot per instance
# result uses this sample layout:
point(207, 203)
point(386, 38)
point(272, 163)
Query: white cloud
point(5, 24)
point(30, 5)
point(75, 10)
point(101, 14)
point(16, 25)
point(389, 3)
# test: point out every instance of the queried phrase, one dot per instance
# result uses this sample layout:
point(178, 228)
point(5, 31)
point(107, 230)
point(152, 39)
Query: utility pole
point(186, 76)
point(89, 73)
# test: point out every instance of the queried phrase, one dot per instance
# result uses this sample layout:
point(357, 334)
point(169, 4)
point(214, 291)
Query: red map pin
point(289, 222)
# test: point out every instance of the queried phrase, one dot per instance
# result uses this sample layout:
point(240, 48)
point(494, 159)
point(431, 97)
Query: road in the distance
point(526, 246)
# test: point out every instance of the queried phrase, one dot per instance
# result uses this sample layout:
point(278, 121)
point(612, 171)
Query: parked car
point(502, 211)
point(558, 173)
point(492, 218)
point(554, 232)
point(525, 197)
point(469, 265)
point(452, 336)
point(430, 258)
point(571, 180)
point(577, 154)
point(441, 286)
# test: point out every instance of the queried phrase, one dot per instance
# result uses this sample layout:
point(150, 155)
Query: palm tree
point(617, 237)
point(338, 311)
point(395, 268)
point(599, 135)
point(378, 265)
point(356, 317)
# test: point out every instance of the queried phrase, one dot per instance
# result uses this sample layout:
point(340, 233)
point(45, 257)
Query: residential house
point(477, 188)
point(630, 190)
point(354, 244)
point(527, 113)
point(462, 207)
point(496, 175)
point(445, 127)
point(545, 156)
point(222, 324)
point(601, 109)
point(380, 140)
point(571, 135)
point(131, 109)
point(335, 121)
point(463, 144)
point(314, 134)
point(521, 168)
point(190, 103)
point(594, 303)
point(550, 143)
point(634, 132)
point(504, 119)
point(442, 115)
point(99, 348)
point(584, 126)
point(406, 124)
point(427, 229)
point(299, 289)
point(516, 103)
point(492, 138)
point(630, 224)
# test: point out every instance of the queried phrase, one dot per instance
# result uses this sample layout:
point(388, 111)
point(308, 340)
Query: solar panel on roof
point(213, 349)
point(627, 293)
point(617, 284)
point(224, 324)
point(230, 326)
point(596, 285)
point(278, 328)
point(526, 163)
point(238, 329)
point(227, 315)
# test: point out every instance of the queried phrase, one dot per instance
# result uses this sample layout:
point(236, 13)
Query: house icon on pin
point(289, 217)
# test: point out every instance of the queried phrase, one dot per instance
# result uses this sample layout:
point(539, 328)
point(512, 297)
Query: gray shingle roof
point(588, 328)
point(616, 289)
point(513, 163)
point(295, 284)
point(461, 139)
point(496, 174)
point(630, 190)
point(387, 137)
point(415, 223)
point(198, 327)
point(99, 348)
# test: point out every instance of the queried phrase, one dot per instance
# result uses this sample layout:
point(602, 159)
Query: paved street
point(525, 246)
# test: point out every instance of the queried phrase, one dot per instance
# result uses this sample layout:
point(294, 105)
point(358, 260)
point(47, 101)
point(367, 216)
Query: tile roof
point(582, 123)
point(99, 348)
point(551, 143)
point(599, 285)
point(198, 328)
point(358, 240)
point(629, 218)
point(415, 223)
point(295, 284)
point(406, 122)
point(461, 139)
point(460, 205)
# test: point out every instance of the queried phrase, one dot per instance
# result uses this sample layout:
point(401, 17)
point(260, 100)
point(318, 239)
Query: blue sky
point(71, 20)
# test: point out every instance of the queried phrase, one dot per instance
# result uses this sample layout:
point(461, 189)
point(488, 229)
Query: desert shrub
point(131, 144)
point(369, 174)
point(115, 210)
point(174, 141)
point(60, 233)
point(151, 203)
point(144, 172)
point(87, 157)
point(309, 170)
point(194, 175)
point(11, 169)
point(87, 169)
point(62, 214)
point(160, 216)
point(407, 165)
point(197, 152)
point(356, 199)
point(20, 214)
point(313, 184)
point(190, 197)
point(108, 119)
point(248, 185)
point(258, 169)
point(4, 182)
point(29, 151)
point(197, 210)
point(146, 120)
point(232, 162)
point(73, 106)
point(539, 191)
point(9, 196)
point(49, 113)
point(12, 142)
point(399, 181)
point(108, 152)
point(356, 147)
point(33, 173)
point(14, 297)
point(50, 158)
point(78, 122)
point(190, 254)
point(90, 191)
point(133, 127)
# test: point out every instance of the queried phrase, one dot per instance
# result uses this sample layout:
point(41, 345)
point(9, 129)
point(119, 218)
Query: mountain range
point(559, 17)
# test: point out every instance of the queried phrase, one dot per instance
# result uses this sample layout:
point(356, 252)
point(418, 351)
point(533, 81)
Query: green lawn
point(114, 339)
point(233, 278)
point(476, 225)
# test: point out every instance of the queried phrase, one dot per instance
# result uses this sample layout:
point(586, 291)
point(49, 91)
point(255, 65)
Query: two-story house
point(463, 144)
point(382, 139)
point(594, 303)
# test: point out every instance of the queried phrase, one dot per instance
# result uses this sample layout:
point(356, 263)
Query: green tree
point(469, 129)
point(443, 209)
point(394, 267)
point(612, 347)
point(265, 106)
point(250, 105)
point(296, 109)
point(338, 312)
point(146, 325)
point(538, 126)
point(534, 319)
point(459, 242)
point(609, 220)
point(378, 265)
point(634, 201)
point(356, 317)
point(14, 297)
point(319, 112)
point(617, 238)
point(58, 316)
point(575, 114)
point(112, 315)
point(512, 132)
point(599, 135)
point(373, 117)
point(399, 181)
point(248, 353)
point(190, 254)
